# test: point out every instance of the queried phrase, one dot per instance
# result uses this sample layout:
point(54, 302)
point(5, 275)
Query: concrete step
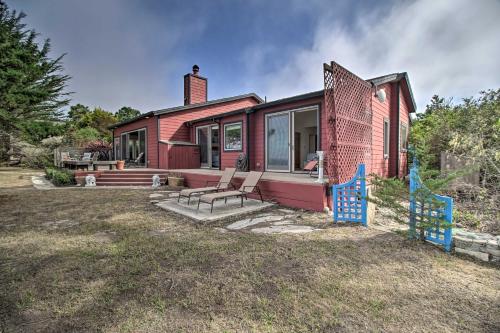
point(131, 175)
point(136, 183)
point(128, 179)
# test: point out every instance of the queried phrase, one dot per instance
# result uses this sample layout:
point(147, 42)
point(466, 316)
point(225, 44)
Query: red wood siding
point(380, 111)
point(179, 156)
point(257, 128)
point(151, 134)
point(404, 117)
point(172, 126)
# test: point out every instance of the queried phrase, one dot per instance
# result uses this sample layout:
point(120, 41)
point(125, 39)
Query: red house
point(352, 120)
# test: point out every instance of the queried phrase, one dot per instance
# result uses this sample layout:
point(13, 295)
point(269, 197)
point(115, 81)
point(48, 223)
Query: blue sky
point(130, 52)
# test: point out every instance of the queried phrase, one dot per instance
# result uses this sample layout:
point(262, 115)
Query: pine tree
point(31, 83)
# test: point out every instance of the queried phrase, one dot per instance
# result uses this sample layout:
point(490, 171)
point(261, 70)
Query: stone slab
point(220, 211)
point(282, 229)
point(479, 255)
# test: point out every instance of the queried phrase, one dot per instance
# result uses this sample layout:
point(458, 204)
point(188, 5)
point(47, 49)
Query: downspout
point(398, 129)
point(158, 140)
point(112, 157)
point(220, 143)
point(248, 139)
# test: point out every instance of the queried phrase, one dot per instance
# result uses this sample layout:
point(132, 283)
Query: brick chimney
point(195, 87)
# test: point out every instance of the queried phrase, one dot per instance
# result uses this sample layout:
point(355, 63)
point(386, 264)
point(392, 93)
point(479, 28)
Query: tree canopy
point(31, 83)
point(126, 113)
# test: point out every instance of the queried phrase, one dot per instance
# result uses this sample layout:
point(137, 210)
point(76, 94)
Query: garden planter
point(175, 181)
point(120, 165)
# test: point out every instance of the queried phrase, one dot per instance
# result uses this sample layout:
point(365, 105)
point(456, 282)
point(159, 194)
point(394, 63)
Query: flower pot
point(175, 181)
point(120, 165)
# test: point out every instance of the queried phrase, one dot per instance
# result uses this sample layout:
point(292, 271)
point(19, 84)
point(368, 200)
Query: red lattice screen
point(349, 116)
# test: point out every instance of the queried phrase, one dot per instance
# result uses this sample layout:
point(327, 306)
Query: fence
point(431, 211)
point(349, 199)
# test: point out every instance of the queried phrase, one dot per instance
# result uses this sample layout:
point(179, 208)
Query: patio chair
point(311, 166)
point(136, 162)
point(87, 157)
point(222, 184)
point(248, 186)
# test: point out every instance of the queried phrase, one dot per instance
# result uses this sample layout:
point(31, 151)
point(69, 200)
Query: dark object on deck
point(248, 186)
point(242, 162)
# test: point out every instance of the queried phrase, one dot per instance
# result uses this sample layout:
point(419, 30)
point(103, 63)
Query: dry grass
point(107, 260)
point(16, 177)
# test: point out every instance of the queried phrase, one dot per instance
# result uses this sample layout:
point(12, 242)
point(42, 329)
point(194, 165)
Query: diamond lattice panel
point(349, 116)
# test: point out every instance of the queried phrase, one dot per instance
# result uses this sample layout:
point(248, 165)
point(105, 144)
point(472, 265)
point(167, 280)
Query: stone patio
point(220, 211)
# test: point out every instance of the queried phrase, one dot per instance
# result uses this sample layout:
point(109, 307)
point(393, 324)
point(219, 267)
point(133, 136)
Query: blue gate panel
point(349, 199)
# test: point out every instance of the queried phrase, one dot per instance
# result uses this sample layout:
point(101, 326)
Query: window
point(233, 137)
point(386, 138)
point(404, 137)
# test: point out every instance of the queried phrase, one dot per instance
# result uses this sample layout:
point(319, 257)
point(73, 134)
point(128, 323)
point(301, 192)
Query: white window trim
point(384, 145)
point(240, 123)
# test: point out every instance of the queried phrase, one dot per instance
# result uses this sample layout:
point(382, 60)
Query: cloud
point(118, 52)
point(448, 48)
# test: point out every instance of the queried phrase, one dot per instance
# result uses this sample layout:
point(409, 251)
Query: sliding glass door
point(133, 148)
point(291, 139)
point(207, 137)
point(278, 142)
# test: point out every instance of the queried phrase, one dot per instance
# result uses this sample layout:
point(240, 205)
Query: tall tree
point(77, 112)
point(31, 83)
point(126, 113)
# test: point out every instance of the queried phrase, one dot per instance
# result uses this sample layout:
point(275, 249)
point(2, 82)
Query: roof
point(187, 107)
point(295, 98)
point(396, 77)
point(251, 109)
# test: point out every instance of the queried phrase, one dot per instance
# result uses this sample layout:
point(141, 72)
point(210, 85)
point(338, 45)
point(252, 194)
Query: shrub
point(102, 147)
point(60, 177)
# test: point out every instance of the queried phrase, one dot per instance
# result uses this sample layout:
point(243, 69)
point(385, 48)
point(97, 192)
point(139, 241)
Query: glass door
point(214, 147)
point(278, 142)
point(202, 140)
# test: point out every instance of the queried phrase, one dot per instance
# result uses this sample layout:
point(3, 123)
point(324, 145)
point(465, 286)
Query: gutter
point(398, 129)
point(158, 140)
point(248, 138)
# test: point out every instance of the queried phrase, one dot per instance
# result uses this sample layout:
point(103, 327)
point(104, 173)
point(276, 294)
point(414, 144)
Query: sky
point(135, 53)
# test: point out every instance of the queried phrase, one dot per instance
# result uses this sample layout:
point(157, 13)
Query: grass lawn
point(108, 260)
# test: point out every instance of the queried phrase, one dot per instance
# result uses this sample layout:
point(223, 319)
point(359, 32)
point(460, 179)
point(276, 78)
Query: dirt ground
point(108, 260)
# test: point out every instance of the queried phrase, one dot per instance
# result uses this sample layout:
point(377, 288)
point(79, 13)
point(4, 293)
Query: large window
point(233, 137)
point(386, 138)
point(404, 137)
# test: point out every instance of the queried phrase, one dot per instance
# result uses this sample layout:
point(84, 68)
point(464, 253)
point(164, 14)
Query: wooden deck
point(288, 189)
point(294, 190)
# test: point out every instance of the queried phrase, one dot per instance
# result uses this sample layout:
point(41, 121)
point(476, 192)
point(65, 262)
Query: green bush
point(60, 177)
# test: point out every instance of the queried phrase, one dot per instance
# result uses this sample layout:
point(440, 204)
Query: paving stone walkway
point(277, 221)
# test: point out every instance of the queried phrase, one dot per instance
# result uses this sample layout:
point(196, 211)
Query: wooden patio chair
point(136, 162)
point(311, 166)
point(223, 184)
point(248, 186)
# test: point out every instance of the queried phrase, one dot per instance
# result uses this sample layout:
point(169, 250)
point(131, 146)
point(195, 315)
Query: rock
point(154, 201)
point(268, 218)
point(292, 229)
point(242, 224)
point(285, 222)
point(156, 195)
point(479, 255)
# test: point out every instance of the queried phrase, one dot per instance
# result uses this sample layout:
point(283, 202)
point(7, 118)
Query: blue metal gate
point(429, 207)
point(349, 199)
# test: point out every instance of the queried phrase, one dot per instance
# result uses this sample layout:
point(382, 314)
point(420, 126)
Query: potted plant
point(120, 165)
point(175, 179)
